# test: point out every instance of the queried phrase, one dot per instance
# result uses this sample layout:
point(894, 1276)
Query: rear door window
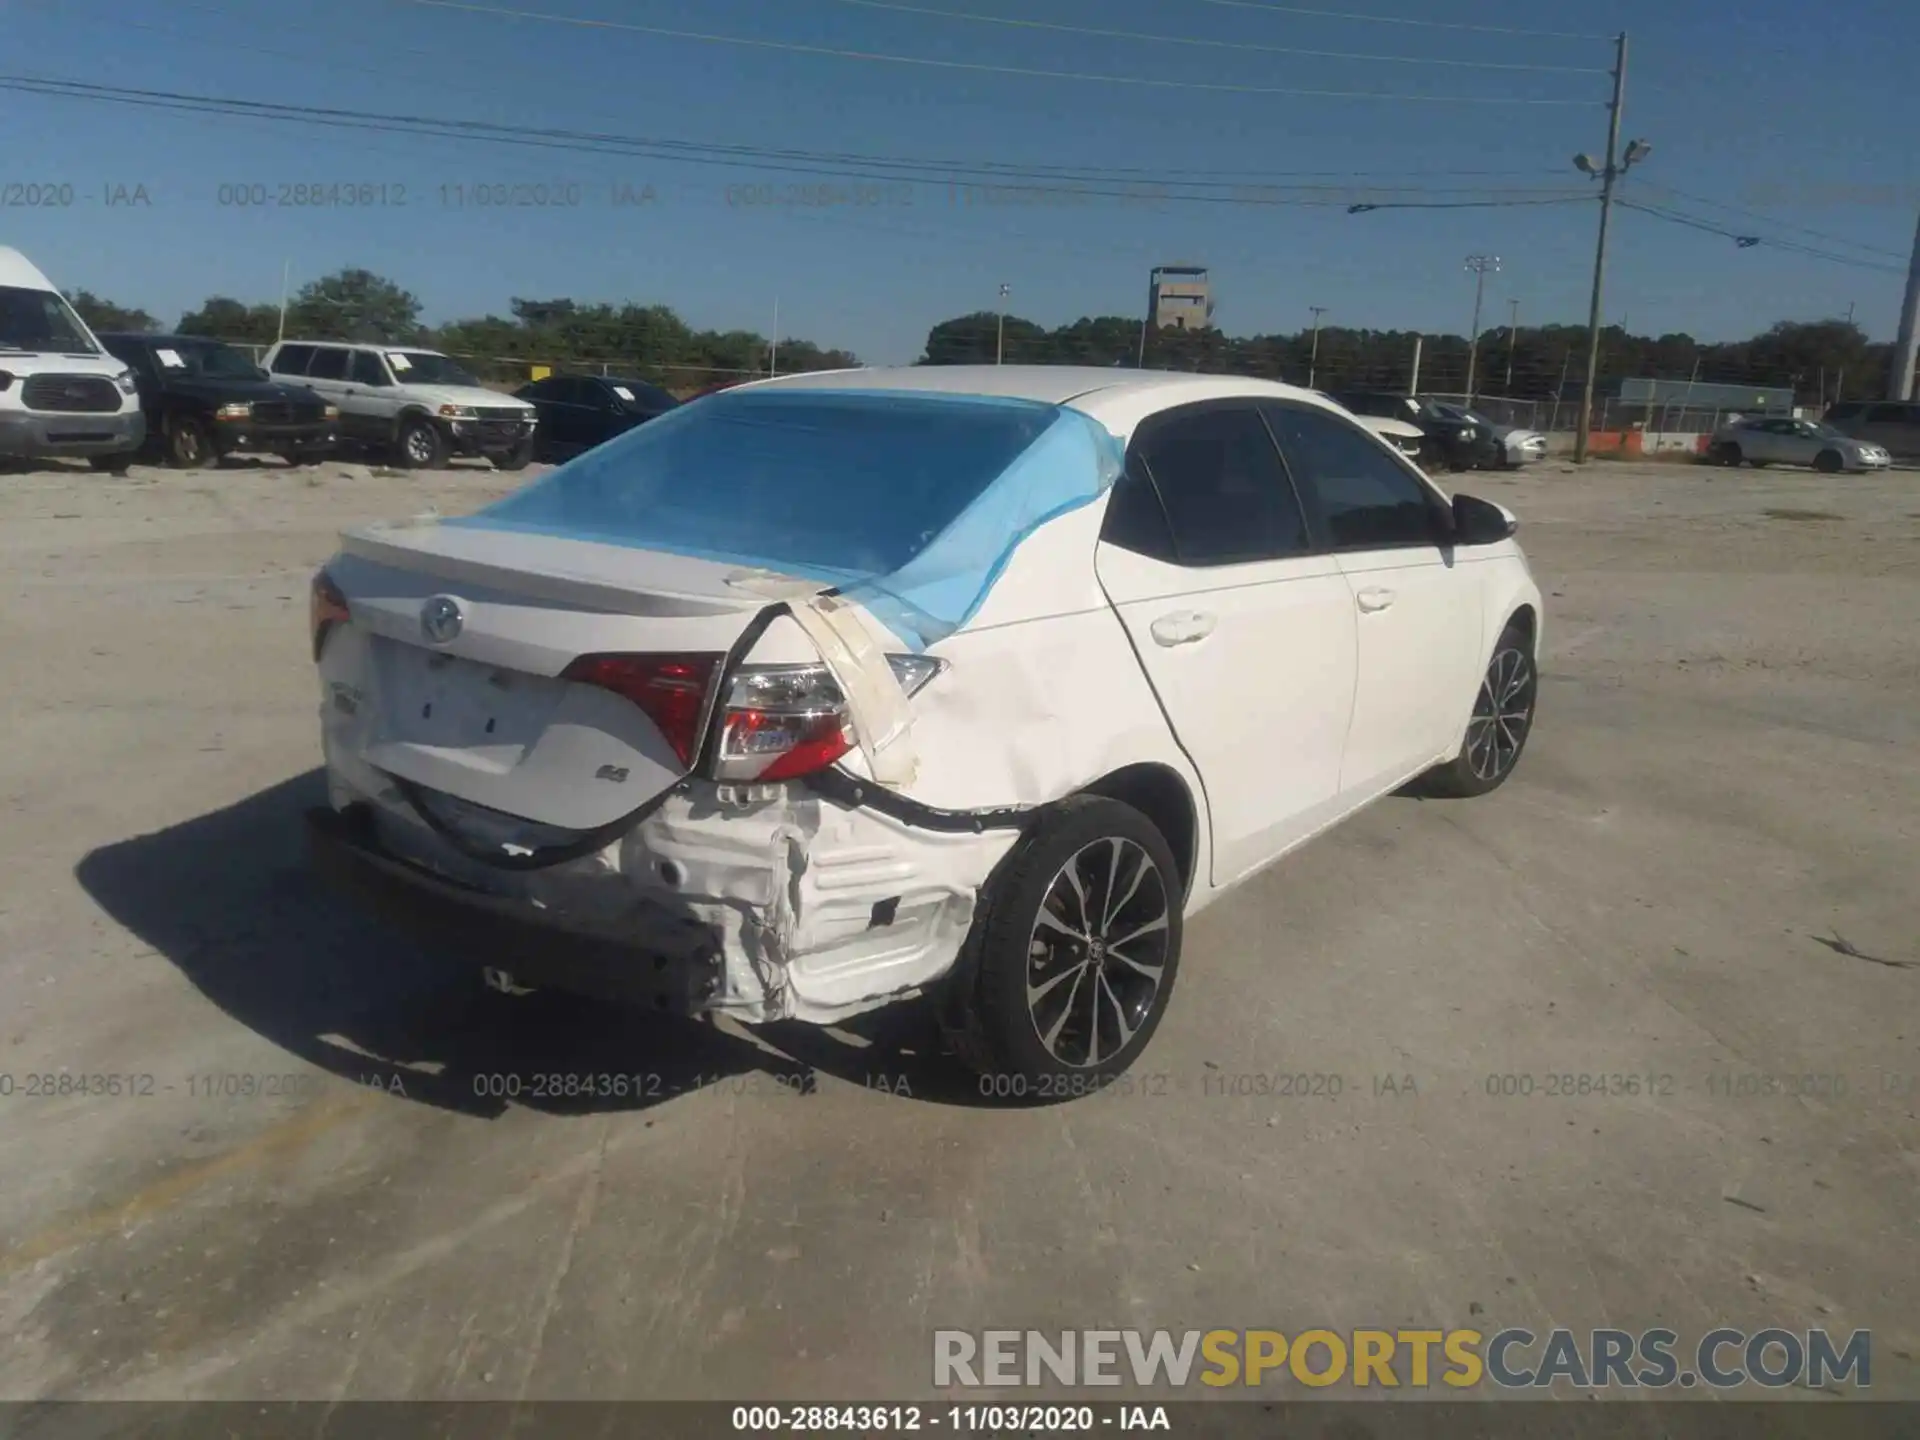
point(328, 364)
point(1226, 496)
point(292, 359)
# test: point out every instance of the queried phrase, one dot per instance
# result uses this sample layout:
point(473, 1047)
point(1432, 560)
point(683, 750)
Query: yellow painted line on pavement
point(281, 1139)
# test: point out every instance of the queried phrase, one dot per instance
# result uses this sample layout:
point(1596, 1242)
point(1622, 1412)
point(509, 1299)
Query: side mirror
point(1481, 522)
point(262, 373)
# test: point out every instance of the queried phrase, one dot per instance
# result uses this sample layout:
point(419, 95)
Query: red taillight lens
point(671, 689)
point(326, 608)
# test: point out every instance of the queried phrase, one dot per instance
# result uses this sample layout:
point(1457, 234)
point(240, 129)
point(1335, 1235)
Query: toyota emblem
point(440, 619)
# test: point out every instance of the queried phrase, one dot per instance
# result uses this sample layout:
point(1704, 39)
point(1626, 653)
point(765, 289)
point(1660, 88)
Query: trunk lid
point(450, 674)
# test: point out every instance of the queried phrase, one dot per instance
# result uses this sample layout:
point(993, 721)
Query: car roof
point(21, 273)
point(145, 338)
point(360, 345)
point(1117, 398)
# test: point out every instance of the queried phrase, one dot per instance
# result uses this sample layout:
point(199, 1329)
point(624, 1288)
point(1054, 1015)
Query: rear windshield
point(39, 321)
point(840, 483)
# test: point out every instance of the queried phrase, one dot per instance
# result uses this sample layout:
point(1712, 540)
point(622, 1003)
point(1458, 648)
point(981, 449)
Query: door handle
point(1183, 627)
point(1373, 598)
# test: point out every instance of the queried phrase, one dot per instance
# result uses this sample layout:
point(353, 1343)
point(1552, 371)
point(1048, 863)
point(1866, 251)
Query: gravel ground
point(1702, 875)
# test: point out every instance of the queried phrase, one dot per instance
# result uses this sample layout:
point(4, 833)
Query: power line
point(1756, 215)
point(970, 16)
point(978, 67)
point(1404, 20)
point(689, 152)
point(1573, 198)
point(1748, 242)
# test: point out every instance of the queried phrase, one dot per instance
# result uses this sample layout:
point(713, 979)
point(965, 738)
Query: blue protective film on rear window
point(910, 502)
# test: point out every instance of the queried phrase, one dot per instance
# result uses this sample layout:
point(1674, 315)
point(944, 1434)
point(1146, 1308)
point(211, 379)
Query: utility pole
point(1479, 264)
point(1000, 332)
point(1903, 348)
point(1615, 168)
point(286, 269)
point(1413, 386)
point(1513, 340)
point(1313, 363)
point(773, 350)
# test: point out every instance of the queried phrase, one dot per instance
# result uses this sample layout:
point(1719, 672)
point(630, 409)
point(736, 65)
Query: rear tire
point(1048, 1004)
point(1726, 453)
point(1503, 711)
point(419, 445)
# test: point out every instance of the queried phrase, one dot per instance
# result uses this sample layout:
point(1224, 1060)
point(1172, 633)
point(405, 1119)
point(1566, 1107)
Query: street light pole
point(1479, 264)
point(1513, 341)
point(1313, 363)
point(1608, 176)
point(1000, 333)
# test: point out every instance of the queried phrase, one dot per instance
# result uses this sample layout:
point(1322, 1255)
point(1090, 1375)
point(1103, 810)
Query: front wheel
point(1497, 732)
point(188, 445)
point(516, 458)
point(110, 464)
point(1828, 462)
point(1071, 961)
point(421, 446)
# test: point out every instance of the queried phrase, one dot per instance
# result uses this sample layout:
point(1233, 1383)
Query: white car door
point(327, 377)
point(1418, 604)
point(1246, 634)
point(372, 396)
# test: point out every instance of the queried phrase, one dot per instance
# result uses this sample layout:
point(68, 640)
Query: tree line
point(1816, 358)
point(1819, 359)
point(355, 304)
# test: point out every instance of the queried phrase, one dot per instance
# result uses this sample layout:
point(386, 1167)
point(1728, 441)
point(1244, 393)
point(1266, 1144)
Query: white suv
point(837, 688)
point(418, 405)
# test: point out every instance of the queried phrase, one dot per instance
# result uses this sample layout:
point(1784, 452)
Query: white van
point(61, 393)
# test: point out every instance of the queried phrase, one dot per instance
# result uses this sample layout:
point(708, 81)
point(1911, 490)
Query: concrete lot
point(1703, 871)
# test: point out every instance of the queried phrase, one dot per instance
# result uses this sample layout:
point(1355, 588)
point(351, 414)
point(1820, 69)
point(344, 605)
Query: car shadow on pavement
point(228, 898)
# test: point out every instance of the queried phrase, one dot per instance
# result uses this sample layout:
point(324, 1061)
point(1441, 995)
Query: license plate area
point(445, 702)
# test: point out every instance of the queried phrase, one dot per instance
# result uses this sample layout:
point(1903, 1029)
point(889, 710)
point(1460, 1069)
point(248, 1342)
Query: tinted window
point(328, 365)
point(1136, 520)
point(367, 369)
point(39, 320)
point(1887, 414)
point(575, 391)
point(1226, 497)
point(1365, 498)
point(1845, 412)
point(292, 359)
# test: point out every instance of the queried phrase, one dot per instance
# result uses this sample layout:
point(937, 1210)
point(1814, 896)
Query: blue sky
point(1738, 100)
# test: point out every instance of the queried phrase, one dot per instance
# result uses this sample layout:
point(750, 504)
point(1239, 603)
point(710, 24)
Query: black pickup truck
point(204, 399)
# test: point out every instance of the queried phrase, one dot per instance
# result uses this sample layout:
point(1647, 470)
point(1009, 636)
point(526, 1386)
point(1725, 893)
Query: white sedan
point(1762, 440)
point(977, 682)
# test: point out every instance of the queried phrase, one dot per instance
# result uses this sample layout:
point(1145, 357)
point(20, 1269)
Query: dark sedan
point(578, 412)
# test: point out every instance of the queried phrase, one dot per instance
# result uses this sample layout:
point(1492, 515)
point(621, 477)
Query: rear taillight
point(782, 721)
point(785, 721)
point(326, 608)
point(671, 689)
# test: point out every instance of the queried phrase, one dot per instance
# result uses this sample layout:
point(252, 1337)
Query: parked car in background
point(1409, 439)
point(578, 412)
point(1517, 445)
point(1893, 425)
point(417, 405)
point(61, 393)
point(1452, 443)
point(1762, 440)
point(968, 681)
point(204, 399)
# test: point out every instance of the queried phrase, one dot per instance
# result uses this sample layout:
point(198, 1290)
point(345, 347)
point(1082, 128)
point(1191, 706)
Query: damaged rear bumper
point(674, 972)
point(766, 903)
